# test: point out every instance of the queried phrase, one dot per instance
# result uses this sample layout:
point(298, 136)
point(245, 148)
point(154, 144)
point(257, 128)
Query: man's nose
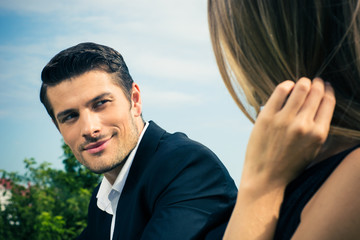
point(91, 127)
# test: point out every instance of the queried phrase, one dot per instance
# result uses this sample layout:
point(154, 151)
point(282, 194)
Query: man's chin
point(108, 169)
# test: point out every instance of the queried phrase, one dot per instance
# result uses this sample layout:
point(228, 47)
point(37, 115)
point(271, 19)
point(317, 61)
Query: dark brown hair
point(79, 59)
point(260, 43)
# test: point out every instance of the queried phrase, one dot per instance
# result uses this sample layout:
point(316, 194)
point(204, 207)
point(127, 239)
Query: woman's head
point(260, 43)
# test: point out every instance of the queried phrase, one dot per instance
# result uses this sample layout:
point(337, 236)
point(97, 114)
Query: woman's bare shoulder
point(334, 211)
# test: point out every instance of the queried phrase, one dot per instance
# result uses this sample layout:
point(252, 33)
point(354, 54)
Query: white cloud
point(111, 6)
point(175, 68)
point(160, 35)
point(162, 98)
point(184, 19)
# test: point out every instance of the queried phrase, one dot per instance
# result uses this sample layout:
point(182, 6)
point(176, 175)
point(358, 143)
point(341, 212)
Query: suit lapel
point(99, 221)
point(146, 150)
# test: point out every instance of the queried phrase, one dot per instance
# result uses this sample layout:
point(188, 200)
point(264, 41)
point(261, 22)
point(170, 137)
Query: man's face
point(96, 120)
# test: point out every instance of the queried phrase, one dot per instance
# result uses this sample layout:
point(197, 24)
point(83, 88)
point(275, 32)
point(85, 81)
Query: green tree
point(47, 203)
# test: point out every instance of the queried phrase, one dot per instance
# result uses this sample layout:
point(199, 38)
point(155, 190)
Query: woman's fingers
point(308, 100)
point(278, 97)
point(297, 97)
point(327, 106)
point(316, 113)
point(313, 100)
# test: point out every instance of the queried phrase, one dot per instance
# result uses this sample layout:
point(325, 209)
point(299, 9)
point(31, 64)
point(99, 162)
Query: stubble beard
point(121, 155)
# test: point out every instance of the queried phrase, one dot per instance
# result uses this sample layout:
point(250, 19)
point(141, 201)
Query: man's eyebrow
point(97, 98)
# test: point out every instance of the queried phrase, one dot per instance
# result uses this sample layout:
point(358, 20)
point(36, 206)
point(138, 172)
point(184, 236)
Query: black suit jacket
point(176, 189)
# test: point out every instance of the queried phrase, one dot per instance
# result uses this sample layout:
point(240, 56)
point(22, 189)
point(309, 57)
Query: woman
point(304, 183)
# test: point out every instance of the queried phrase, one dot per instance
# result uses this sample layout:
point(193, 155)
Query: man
point(156, 185)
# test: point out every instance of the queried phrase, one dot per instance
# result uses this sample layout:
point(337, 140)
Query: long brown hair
point(260, 43)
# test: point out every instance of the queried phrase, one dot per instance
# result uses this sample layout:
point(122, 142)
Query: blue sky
point(166, 46)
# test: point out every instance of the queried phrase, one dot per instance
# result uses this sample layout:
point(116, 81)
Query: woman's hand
point(286, 137)
point(289, 130)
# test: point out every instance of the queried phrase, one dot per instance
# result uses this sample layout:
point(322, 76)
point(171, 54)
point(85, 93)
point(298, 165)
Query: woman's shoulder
point(348, 172)
point(333, 212)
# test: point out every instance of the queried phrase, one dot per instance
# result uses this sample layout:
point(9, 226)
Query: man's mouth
point(96, 147)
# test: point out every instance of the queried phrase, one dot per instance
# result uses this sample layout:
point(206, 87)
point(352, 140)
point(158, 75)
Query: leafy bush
point(47, 203)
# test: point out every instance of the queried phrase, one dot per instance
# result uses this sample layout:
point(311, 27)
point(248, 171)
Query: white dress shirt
point(108, 195)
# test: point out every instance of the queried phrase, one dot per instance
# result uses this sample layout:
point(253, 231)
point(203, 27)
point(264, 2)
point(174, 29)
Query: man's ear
point(136, 100)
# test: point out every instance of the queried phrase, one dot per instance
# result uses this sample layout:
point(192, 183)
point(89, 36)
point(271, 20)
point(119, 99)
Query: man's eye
point(69, 117)
point(100, 103)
